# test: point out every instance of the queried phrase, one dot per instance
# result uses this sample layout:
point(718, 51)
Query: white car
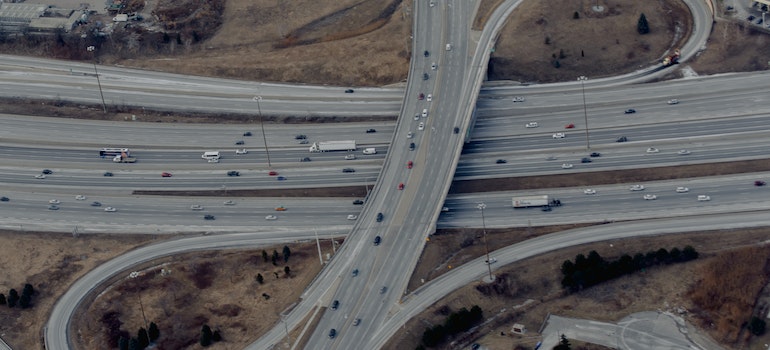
point(271, 217)
point(416, 117)
point(432, 3)
point(532, 125)
point(637, 188)
point(421, 127)
point(490, 261)
point(229, 203)
point(566, 166)
point(196, 207)
point(589, 191)
point(649, 197)
point(40, 176)
point(352, 217)
point(703, 198)
point(681, 189)
point(433, 66)
point(673, 101)
point(518, 99)
point(653, 150)
point(241, 151)
point(424, 112)
point(559, 135)
point(683, 152)
point(429, 98)
point(54, 201)
point(409, 135)
point(80, 197)
point(350, 157)
point(213, 160)
point(445, 209)
point(110, 209)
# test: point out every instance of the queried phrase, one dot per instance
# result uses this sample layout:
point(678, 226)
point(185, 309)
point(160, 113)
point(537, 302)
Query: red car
point(273, 173)
point(165, 174)
point(401, 186)
point(759, 183)
point(569, 126)
point(421, 96)
point(409, 164)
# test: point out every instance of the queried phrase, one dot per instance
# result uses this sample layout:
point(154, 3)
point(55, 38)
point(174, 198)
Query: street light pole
point(98, 82)
point(262, 125)
point(582, 80)
point(481, 207)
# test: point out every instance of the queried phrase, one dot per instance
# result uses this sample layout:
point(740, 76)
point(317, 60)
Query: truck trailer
point(530, 201)
point(326, 146)
point(123, 158)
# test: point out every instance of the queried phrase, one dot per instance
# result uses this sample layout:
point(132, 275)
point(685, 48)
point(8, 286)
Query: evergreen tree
point(286, 253)
point(2, 299)
point(122, 343)
point(264, 256)
point(28, 290)
point(153, 332)
point(260, 279)
point(642, 26)
point(143, 338)
point(205, 339)
point(275, 257)
point(689, 253)
point(13, 298)
point(133, 344)
point(216, 336)
point(757, 326)
point(287, 270)
point(24, 301)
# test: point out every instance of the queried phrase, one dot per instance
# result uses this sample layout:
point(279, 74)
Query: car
point(110, 209)
point(475, 346)
point(531, 125)
point(356, 322)
point(703, 198)
point(107, 173)
point(585, 160)
point(239, 142)
point(652, 150)
point(595, 154)
point(354, 273)
point(649, 197)
point(425, 76)
point(411, 146)
point(209, 217)
point(518, 99)
point(424, 113)
point(40, 176)
point(352, 217)
point(233, 173)
point(47, 171)
point(196, 207)
point(683, 152)
point(4, 199)
point(305, 159)
point(377, 240)
point(300, 137)
point(429, 98)
point(630, 111)
point(421, 96)
point(229, 202)
point(281, 208)
point(750, 18)
point(349, 91)
point(358, 202)
point(491, 260)
point(241, 151)
point(272, 173)
point(456, 130)
point(636, 188)
point(348, 170)
point(379, 217)
point(332, 333)
point(681, 189)
point(432, 3)
point(759, 183)
point(383, 290)
point(566, 166)
point(569, 126)
point(759, 21)
point(281, 178)
point(303, 142)
point(271, 217)
point(559, 135)
point(213, 160)
point(53, 207)
point(673, 101)
point(416, 117)
point(426, 53)
point(409, 164)
point(421, 126)
point(54, 201)
point(335, 304)
point(622, 139)
point(350, 157)
point(589, 191)
point(80, 197)
point(248, 133)
point(433, 66)
point(546, 208)
point(165, 174)
point(401, 186)
point(501, 161)
point(96, 204)
point(369, 131)
point(445, 209)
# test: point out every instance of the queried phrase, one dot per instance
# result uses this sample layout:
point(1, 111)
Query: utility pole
point(318, 244)
point(582, 80)
point(481, 207)
point(262, 125)
point(92, 49)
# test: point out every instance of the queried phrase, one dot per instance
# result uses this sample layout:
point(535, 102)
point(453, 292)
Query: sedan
point(703, 198)
point(350, 157)
point(165, 174)
point(649, 197)
point(40, 176)
point(300, 137)
point(673, 101)
point(653, 150)
point(559, 135)
point(335, 304)
point(241, 151)
point(636, 188)
point(110, 209)
point(589, 191)
point(281, 208)
point(352, 217)
point(96, 204)
point(425, 76)
point(421, 126)
point(501, 161)
point(228, 203)
point(759, 183)
point(566, 166)
point(585, 160)
point(379, 218)
point(358, 202)
point(421, 96)
point(272, 173)
point(430, 98)
point(349, 91)
point(490, 261)
point(369, 131)
point(683, 152)
point(569, 126)
point(209, 217)
point(54, 201)
point(518, 99)
point(377, 240)
point(248, 133)
point(348, 170)
point(409, 135)
point(401, 186)
point(595, 154)
point(281, 178)
point(622, 139)
point(4, 199)
point(411, 146)
point(409, 164)
point(80, 197)
point(271, 217)
point(47, 171)
point(239, 142)
point(681, 189)
point(196, 207)
point(53, 207)
point(356, 322)
point(107, 173)
point(305, 159)
point(433, 66)
point(332, 333)
point(630, 111)
point(233, 173)
point(532, 125)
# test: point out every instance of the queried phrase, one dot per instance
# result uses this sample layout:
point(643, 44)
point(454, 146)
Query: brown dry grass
point(733, 47)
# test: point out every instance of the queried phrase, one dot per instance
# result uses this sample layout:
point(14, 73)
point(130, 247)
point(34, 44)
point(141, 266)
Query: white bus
point(112, 152)
point(211, 155)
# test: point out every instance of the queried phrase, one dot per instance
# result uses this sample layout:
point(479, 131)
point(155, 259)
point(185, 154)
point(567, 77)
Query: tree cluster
point(142, 340)
point(592, 270)
point(208, 337)
point(24, 300)
point(455, 323)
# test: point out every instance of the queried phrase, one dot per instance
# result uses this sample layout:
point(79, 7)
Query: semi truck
point(326, 146)
point(123, 158)
point(530, 201)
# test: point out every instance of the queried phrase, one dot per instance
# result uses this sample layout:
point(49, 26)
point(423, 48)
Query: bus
point(112, 152)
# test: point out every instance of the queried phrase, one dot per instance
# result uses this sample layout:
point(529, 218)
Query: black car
point(585, 160)
point(239, 142)
point(377, 240)
point(233, 173)
point(426, 53)
point(630, 111)
point(107, 173)
point(411, 146)
point(208, 217)
point(379, 219)
point(425, 76)
point(349, 91)
point(348, 170)
point(358, 202)
point(300, 137)
point(47, 171)
point(306, 159)
point(595, 154)
point(332, 333)
point(501, 161)
point(457, 130)
point(622, 139)
point(369, 131)
point(335, 304)
point(248, 133)
point(4, 199)
point(355, 272)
